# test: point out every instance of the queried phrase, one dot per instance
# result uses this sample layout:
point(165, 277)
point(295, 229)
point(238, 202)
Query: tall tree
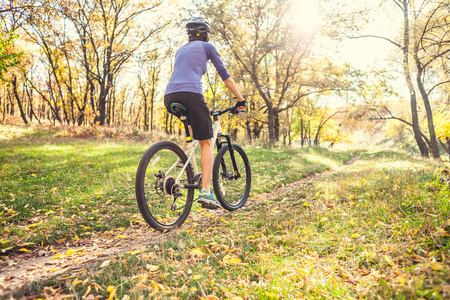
point(86, 45)
point(424, 44)
point(432, 46)
point(148, 79)
point(273, 55)
point(109, 30)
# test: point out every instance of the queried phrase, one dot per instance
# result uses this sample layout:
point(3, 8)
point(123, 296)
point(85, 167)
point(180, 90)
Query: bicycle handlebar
point(232, 109)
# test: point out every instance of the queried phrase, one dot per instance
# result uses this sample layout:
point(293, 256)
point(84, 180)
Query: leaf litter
point(345, 243)
point(53, 260)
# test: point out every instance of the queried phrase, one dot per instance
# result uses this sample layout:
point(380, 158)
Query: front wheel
point(231, 181)
point(163, 203)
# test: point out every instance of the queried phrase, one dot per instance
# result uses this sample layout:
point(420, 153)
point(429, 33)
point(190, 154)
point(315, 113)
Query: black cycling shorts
point(199, 116)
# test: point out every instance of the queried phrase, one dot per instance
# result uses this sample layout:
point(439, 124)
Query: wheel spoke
point(232, 192)
point(156, 187)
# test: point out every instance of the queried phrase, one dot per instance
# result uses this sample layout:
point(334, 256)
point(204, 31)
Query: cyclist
point(185, 87)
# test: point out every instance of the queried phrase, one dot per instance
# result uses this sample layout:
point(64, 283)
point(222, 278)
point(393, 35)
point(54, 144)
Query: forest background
point(81, 91)
point(313, 72)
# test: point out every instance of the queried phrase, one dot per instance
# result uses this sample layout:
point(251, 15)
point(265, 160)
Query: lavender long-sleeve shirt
point(190, 66)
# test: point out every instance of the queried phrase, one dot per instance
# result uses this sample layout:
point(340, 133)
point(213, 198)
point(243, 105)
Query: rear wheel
point(163, 204)
point(231, 187)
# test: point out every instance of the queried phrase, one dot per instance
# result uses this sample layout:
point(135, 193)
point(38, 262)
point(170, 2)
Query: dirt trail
point(42, 264)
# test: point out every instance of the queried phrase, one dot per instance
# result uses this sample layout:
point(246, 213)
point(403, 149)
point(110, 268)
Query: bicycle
point(167, 176)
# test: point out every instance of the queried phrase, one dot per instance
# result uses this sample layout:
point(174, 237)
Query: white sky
point(361, 53)
point(365, 54)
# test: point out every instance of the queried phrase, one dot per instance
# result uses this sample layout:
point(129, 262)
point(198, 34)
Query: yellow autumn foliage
point(442, 123)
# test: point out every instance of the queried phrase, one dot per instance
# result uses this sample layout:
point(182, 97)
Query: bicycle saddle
point(178, 109)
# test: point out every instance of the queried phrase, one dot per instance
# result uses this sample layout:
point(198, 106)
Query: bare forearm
point(233, 88)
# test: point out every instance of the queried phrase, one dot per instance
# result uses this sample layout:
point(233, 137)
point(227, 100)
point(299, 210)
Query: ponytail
point(196, 36)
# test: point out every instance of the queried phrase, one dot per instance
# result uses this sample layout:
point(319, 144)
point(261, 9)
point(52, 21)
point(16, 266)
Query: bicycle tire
point(153, 179)
point(226, 187)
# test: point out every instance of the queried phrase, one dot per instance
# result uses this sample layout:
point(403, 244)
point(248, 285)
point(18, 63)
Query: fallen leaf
point(76, 282)
point(388, 260)
point(112, 292)
point(152, 268)
point(57, 256)
point(96, 286)
point(70, 252)
point(87, 291)
point(198, 252)
point(231, 260)
point(105, 263)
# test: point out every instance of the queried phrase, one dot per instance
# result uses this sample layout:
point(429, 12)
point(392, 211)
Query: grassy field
point(56, 189)
point(378, 230)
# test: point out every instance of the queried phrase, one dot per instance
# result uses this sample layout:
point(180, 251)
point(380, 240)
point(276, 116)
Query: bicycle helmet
point(198, 25)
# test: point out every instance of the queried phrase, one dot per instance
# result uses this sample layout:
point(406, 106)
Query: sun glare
point(306, 14)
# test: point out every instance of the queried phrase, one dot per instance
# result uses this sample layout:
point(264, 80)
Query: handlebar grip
point(241, 103)
point(234, 110)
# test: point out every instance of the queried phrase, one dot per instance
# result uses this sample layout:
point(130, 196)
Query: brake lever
point(234, 110)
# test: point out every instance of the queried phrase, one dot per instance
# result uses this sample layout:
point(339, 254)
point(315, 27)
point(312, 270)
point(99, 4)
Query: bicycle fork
point(233, 158)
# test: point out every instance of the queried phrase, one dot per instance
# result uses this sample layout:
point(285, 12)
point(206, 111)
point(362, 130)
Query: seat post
point(186, 128)
point(181, 112)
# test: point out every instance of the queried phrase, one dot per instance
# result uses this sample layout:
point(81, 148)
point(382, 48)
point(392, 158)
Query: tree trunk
point(145, 113)
point(446, 147)
point(426, 101)
point(309, 133)
point(151, 114)
point(415, 118)
point(100, 118)
point(19, 102)
point(4, 111)
point(276, 127)
point(11, 106)
point(271, 125)
point(302, 135)
point(30, 100)
point(289, 128)
point(316, 138)
point(248, 130)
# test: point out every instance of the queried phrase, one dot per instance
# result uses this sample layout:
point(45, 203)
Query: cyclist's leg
point(184, 142)
point(206, 197)
point(206, 162)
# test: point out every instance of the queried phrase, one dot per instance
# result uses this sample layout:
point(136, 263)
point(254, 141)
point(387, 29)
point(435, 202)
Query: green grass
point(377, 230)
point(56, 189)
point(53, 191)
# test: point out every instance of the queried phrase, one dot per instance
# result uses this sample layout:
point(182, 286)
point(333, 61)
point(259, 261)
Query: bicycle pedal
point(210, 206)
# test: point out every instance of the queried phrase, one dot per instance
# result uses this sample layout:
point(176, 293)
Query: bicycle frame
point(190, 152)
point(193, 144)
point(166, 174)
